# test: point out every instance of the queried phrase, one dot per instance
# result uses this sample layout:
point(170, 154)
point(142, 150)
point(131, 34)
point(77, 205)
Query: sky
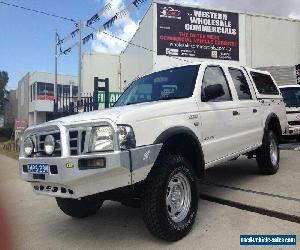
point(27, 39)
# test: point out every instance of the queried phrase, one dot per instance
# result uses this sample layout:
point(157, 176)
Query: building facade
point(36, 94)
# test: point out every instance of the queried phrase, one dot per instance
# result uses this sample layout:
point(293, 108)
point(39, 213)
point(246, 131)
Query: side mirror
point(212, 92)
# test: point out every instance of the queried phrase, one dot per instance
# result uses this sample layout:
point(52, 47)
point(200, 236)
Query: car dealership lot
point(37, 223)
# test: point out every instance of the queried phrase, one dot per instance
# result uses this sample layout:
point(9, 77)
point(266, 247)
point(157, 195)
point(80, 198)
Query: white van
point(291, 96)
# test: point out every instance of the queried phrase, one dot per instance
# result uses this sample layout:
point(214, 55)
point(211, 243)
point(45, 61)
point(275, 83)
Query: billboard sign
point(198, 33)
point(298, 73)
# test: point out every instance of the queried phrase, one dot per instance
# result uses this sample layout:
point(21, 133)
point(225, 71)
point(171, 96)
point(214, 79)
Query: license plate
point(38, 168)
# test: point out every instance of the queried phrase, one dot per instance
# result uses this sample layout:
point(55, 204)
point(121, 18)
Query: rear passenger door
point(218, 116)
point(248, 120)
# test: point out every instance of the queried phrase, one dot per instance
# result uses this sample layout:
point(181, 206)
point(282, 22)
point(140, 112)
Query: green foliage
point(7, 131)
point(3, 82)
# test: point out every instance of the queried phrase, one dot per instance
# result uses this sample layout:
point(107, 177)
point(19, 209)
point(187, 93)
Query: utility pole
point(79, 61)
point(55, 80)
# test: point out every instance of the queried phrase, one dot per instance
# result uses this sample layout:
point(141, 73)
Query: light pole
point(55, 80)
point(79, 61)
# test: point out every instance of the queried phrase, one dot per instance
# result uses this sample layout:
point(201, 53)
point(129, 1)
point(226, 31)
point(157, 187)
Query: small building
point(36, 94)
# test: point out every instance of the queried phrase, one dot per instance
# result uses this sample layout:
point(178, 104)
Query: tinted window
point(214, 75)
point(241, 84)
point(291, 96)
point(164, 85)
point(264, 84)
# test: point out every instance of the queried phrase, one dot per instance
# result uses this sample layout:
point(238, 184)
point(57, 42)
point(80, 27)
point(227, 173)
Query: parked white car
point(291, 97)
point(166, 129)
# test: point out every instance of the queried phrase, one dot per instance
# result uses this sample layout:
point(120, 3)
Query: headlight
point(49, 144)
point(126, 137)
point(101, 139)
point(28, 146)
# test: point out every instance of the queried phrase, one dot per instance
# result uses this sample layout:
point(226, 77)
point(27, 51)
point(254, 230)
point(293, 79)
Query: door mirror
point(212, 92)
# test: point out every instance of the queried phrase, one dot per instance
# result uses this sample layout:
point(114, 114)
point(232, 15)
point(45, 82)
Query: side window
point(215, 87)
point(241, 84)
point(264, 84)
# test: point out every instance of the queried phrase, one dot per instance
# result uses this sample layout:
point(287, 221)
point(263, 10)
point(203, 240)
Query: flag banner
point(97, 16)
point(74, 33)
point(68, 50)
point(71, 35)
point(110, 22)
point(87, 38)
point(136, 3)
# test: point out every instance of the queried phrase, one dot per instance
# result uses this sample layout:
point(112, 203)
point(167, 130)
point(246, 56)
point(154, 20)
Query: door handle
point(254, 111)
point(235, 113)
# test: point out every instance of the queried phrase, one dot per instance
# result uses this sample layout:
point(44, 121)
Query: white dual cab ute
point(291, 97)
point(150, 149)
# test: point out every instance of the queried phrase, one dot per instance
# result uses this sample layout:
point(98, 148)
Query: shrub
point(7, 131)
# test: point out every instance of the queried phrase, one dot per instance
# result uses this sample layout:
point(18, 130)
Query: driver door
point(218, 116)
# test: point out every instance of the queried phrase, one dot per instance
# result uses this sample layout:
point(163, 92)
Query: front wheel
point(170, 201)
point(268, 155)
point(85, 207)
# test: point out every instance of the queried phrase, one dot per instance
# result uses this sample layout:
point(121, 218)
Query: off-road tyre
point(82, 208)
point(268, 155)
point(154, 199)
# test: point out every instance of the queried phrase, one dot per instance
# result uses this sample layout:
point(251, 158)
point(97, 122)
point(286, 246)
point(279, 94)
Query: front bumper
point(292, 131)
point(122, 168)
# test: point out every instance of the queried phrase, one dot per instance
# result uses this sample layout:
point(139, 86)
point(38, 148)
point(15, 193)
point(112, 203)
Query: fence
point(10, 147)
point(70, 105)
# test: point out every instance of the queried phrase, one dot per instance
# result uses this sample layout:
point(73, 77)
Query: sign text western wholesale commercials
point(199, 33)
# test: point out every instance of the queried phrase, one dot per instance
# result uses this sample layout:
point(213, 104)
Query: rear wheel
point(170, 201)
point(268, 155)
point(84, 207)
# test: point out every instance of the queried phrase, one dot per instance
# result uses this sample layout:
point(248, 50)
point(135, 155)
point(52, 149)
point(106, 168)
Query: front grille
point(77, 142)
point(294, 123)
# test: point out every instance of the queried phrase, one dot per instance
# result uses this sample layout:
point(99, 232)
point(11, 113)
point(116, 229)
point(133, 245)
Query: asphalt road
point(35, 222)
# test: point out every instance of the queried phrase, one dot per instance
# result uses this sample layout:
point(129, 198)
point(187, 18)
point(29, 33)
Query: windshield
point(168, 84)
point(291, 96)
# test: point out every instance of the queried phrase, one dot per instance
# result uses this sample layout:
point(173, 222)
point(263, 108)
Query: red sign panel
point(21, 125)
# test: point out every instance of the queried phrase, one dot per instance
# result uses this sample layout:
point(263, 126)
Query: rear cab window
point(265, 84)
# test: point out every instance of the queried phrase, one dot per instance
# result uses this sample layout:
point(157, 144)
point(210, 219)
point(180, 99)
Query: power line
point(142, 47)
point(38, 11)
point(137, 45)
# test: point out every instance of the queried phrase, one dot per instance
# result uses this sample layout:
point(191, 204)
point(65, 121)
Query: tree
point(3, 92)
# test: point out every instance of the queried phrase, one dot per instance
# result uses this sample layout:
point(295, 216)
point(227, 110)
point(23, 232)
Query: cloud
point(104, 43)
point(124, 29)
